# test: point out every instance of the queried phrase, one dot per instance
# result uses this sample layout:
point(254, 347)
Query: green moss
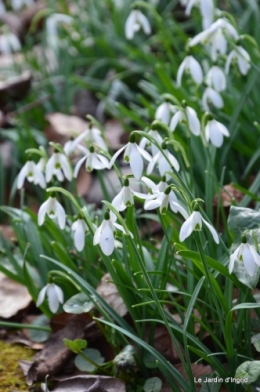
point(11, 375)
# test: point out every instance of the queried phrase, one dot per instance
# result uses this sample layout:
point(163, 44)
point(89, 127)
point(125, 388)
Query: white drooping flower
point(206, 10)
point(104, 235)
point(79, 227)
point(125, 198)
point(186, 115)
point(52, 23)
point(9, 43)
point(191, 65)
point(144, 141)
point(194, 222)
point(216, 78)
point(135, 21)
point(155, 188)
point(53, 209)
point(18, 4)
point(164, 165)
point(58, 165)
point(163, 200)
point(215, 37)
point(92, 136)
point(32, 172)
point(93, 160)
point(211, 96)
point(248, 255)
point(164, 112)
point(134, 155)
point(54, 295)
point(239, 55)
point(215, 132)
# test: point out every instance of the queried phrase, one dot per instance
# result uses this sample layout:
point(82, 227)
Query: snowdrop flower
point(79, 227)
point(242, 58)
point(135, 21)
point(163, 164)
point(58, 165)
point(52, 28)
point(192, 66)
point(18, 4)
point(93, 160)
point(125, 197)
point(194, 222)
point(54, 295)
point(32, 172)
point(248, 255)
point(9, 43)
point(134, 155)
point(53, 209)
point(216, 79)
point(211, 96)
point(206, 10)
point(215, 132)
point(215, 36)
point(162, 200)
point(104, 235)
point(186, 115)
point(91, 136)
point(155, 188)
point(144, 141)
point(164, 111)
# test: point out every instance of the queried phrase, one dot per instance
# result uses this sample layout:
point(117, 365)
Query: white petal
point(193, 121)
point(97, 234)
point(144, 153)
point(163, 113)
point(22, 175)
point(196, 70)
point(136, 162)
point(149, 183)
point(180, 72)
point(50, 167)
point(189, 7)
point(107, 241)
point(212, 230)
point(233, 257)
point(173, 161)
point(177, 117)
point(78, 165)
point(230, 57)
point(248, 260)
point(42, 212)
point(186, 228)
point(59, 294)
point(79, 235)
point(255, 256)
point(41, 296)
point(65, 166)
point(144, 22)
point(152, 204)
point(113, 159)
point(129, 25)
point(117, 202)
point(176, 207)
point(61, 215)
point(207, 12)
point(53, 299)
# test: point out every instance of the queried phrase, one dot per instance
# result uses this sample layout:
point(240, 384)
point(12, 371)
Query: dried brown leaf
point(13, 297)
point(228, 193)
point(15, 87)
point(109, 292)
point(62, 127)
point(89, 383)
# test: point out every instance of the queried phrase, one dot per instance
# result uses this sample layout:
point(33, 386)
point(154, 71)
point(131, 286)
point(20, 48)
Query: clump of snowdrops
point(196, 264)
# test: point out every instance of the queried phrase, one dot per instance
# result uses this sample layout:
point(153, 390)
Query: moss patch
point(11, 375)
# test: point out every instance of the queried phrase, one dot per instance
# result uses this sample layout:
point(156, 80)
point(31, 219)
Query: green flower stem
point(24, 326)
point(186, 367)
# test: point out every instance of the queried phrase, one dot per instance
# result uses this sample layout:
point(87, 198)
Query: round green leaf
point(255, 340)
point(75, 345)
point(82, 363)
point(39, 336)
point(150, 361)
point(78, 304)
point(248, 371)
point(153, 384)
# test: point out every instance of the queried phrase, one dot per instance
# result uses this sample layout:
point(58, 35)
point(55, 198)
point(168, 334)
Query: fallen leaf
point(8, 232)
point(13, 297)
point(83, 182)
point(110, 294)
point(228, 193)
point(62, 126)
point(84, 383)
point(15, 87)
point(55, 354)
point(114, 132)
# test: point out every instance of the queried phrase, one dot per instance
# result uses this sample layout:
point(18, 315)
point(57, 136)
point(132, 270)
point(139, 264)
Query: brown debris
point(228, 193)
point(110, 294)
